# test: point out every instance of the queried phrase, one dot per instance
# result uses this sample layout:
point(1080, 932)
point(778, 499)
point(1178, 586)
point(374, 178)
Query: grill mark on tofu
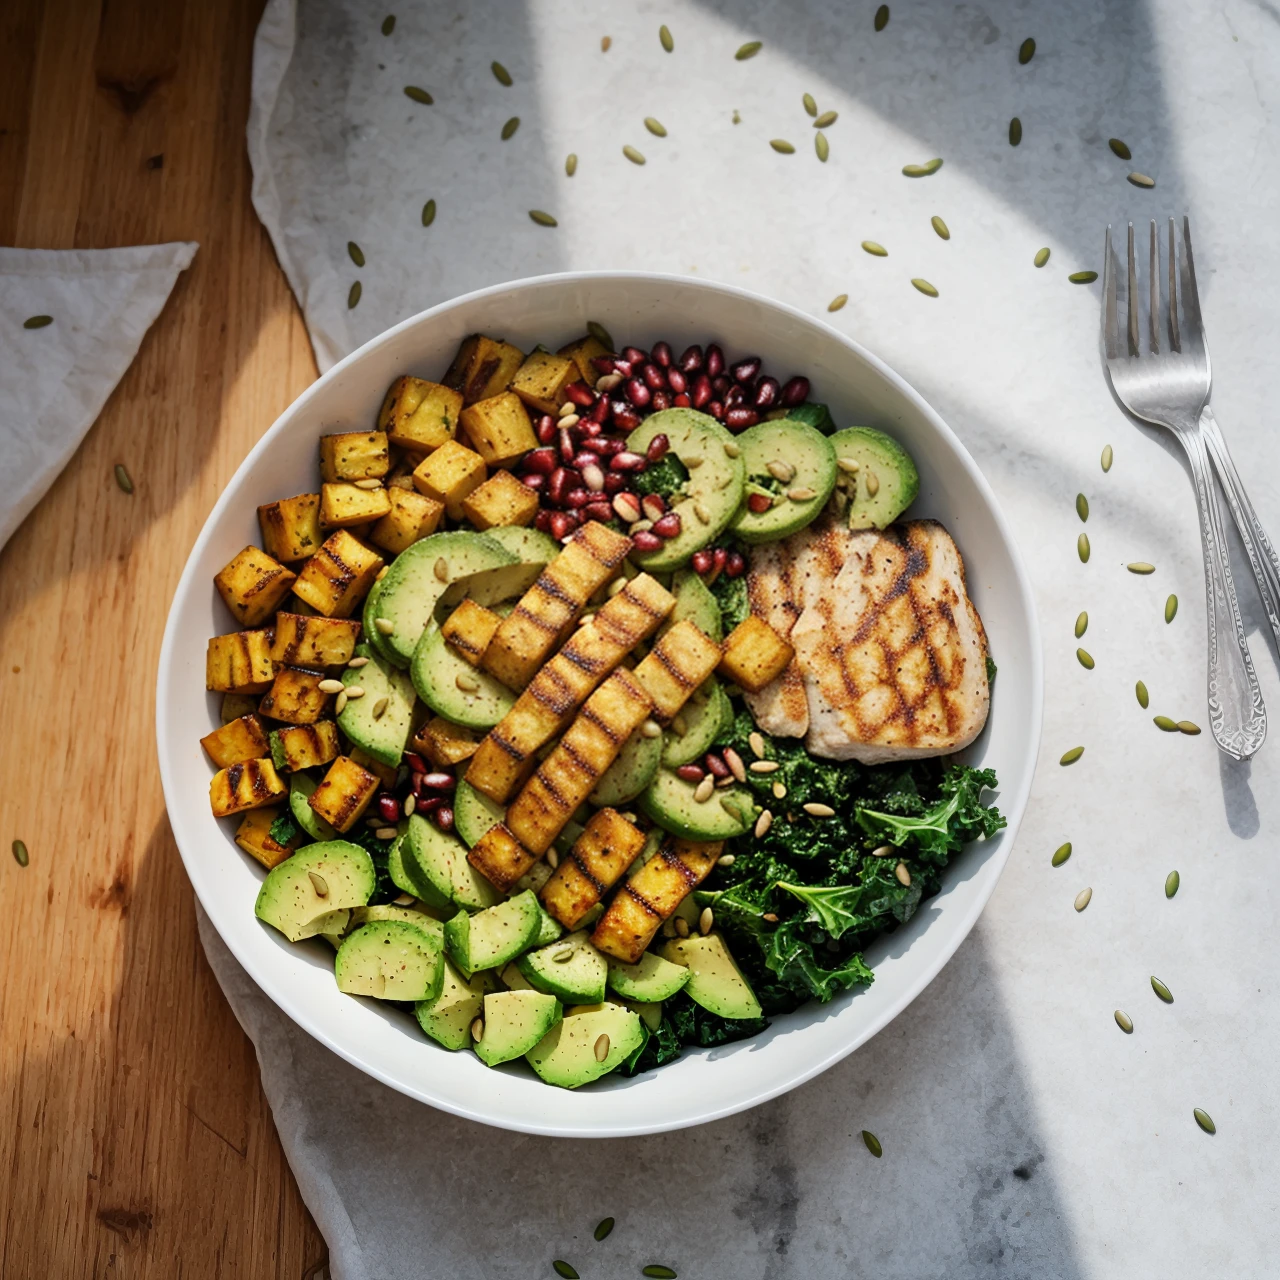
point(527, 615)
point(591, 717)
point(586, 664)
point(506, 746)
point(641, 901)
point(576, 858)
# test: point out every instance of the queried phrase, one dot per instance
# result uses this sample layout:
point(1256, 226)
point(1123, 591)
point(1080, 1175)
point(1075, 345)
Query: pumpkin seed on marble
point(355, 253)
point(924, 286)
point(1141, 690)
point(542, 218)
point(1015, 131)
point(1204, 1120)
point(809, 104)
point(872, 1143)
point(874, 249)
point(1108, 456)
point(353, 295)
point(508, 129)
point(20, 854)
point(1083, 277)
point(1082, 548)
point(606, 43)
point(123, 478)
point(600, 334)
point(826, 120)
point(633, 155)
point(1165, 723)
point(1070, 757)
point(1085, 659)
point(37, 322)
point(748, 50)
point(1082, 624)
point(1170, 608)
point(782, 146)
point(428, 213)
point(500, 73)
point(1188, 727)
point(1026, 51)
point(944, 231)
point(655, 127)
point(1083, 899)
point(1120, 149)
point(1061, 854)
point(1140, 567)
point(1161, 990)
point(603, 1227)
point(822, 147)
point(882, 17)
point(1141, 180)
point(1171, 883)
point(922, 170)
point(656, 1271)
point(418, 95)
point(388, 24)
point(564, 1270)
point(837, 302)
point(1042, 256)
point(1124, 1022)
point(571, 164)
point(1082, 506)
point(666, 38)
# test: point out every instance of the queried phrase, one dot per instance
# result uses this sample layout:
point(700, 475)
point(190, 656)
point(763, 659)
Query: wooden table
point(134, 1137)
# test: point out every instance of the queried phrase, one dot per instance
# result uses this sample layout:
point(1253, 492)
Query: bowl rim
point(1013, 804)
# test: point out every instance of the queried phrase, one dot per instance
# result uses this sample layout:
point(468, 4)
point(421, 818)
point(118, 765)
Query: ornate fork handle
point(1262, 556)
point(1235, 700)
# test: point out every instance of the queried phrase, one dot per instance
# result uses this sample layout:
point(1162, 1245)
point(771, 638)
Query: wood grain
point(134, 1137)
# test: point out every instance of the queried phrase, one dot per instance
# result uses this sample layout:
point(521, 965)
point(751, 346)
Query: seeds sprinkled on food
point(468, 684)
point(876, 250)
point(882, 21)
point(748, 50)
point(1026, 51)
point(603, 1227)
point(510, 127)
point(826, 120)
point(602, 1048)
point(682, 927)
point(822, 147)
point(1141, 180)
point(1124, 1022)
point(1070, 757)
point(779, 791)
point(801, 494)
point(705, 921)
point(441, 569)
point(1082, 506)
point(1107, 457)
point(380, 707)
point(1042, 256)
point(809, 104)
point(763, 823)
point(655, 127)
point(1140, 566)
point(1082, 625)
point(1015, 131)
point(1166, 723)
point(1082, 548)
point(123, 478)
point(1171, 883)
point(651, 729)
point(410, 804)
point(353, 296)
point(1083, 277)
point(385, 626)
point(428, 213)
point(1082, 899)
point(924, 286)
point(542, 218)
point(571, 164)
point(340, 703)
point(418, 95)
point(726, 860)
point(837, 302)
point(922, 170)
point(563, 957)
point(656, 1271)
point(330, 686)
point(600, 334)
point(388, 24)
point(1161, 990)
point(732, 449)
point(700, 510)
point(782, 146)
point(354, 691)
point(703, 791)
point(872, 1143)
point(1061, 854)
point(940, 227)
point(755, 740)
point(319, 884)
point(665, 36)
point(1170, 608)
point(356, 253)
point(1204, 1120)
point(849, 465)
point(902, 874)
point(1120, 148)
point(1188, 727)
point(1140, 690)
point(20, 854)
point(736, 767)
point(564, 1270)
point(37, 322)
point(500, 73)
point(633, 155)
point(1085, 658)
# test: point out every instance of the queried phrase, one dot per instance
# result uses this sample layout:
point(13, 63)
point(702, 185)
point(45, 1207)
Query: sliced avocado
point(715, 982)
point(534, 878)
point(896, 479)
point(669, 802)
point(492, 937)
point(549, 928)
point(631, 772)
point(440, 673)
point(474, 812)
point(704, 717)
point(383, 734)
point(440, 859)
point(529, 546)
point(714, 488)
point(368, 629)
point(570, 969)
point(514, 1022)
point(514, 980)
point(566, 1055)
point(447, 1019)
point(390, 960)
point(409, 878)
point(809, 453)
point(405, 915)
point(650, 1012)
point(300, 896)
point(412, 588)
point(335, 926)
point(301, 788)
point(651, 979)
point(695, 602)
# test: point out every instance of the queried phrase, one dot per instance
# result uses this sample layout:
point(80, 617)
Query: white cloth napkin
point(1024, 1134)
point(54, 379)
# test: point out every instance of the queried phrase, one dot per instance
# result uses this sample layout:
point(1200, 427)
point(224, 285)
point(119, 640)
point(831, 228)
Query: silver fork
point(1167, 383)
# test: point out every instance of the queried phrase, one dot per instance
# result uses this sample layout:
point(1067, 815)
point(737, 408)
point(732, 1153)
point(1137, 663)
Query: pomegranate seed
point(534, 481)
point(580, 394)
point(621, 366)
point(746, 370)
point(702, 391)
point(600, 411)
point(439, 781)
point(767, 392)
point(715, 766)
point(658, 447)
point(586, 458)
point(415, 762)
point(716, 409)
point(691, 772)
point(542, 520)
point(562, 480)
point(714, 364)
point(654, 506)
point(701, 562)
point(627, 461)
point(541, 461)
point(625, 418)
point(734, 564)
point(614, 482)
point(691, 359)
point(718, 558)
point(562, 524)
point(759, 502)
point(590, 428)
point(680, 402)
point(677, 380)
point(637, 392)
point(627, 505)
point(661, 400)
point(546, 429)
point(661, 354)
point(735, 396)
point(595, 446)
point(721, 383)
point(654, 378)
point(646, 541)
point(428, 805)
point(576, 499)
point(613, 445)
point(567, 447)
point(634, 356)
point(739, 417)
point(444, 818)
point(592, 476)
point(603, 363)
point(795, 392)
point(601, 511)
point(667, 526)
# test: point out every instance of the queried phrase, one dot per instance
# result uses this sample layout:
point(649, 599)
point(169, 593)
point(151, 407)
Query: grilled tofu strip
point(541, 621)
point(651, 895)
point(681, 660)
point(500, 857)
point(248, 785)
point(570, 773)
point(469, 629)
point(603, 852)
point(503, 759)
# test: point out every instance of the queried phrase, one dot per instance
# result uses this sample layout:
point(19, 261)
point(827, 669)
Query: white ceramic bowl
point(704, 1084)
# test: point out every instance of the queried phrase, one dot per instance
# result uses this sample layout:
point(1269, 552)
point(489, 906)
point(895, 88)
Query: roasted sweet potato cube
point(234, 743)
point(291, 527)
point(354, 455)
point(678, 663)
point(449, 475)
point(252, 584)
point(483, 367)
point(412, 516)
point(313, 641)
point(754, 654)
point(499, 428)
point(238, 663)
point(541, 380)
point(254, 836)
point(598, 859)
point(295, 696)
point(338, 576)
point(303, 746)
point(469, 628)
point(345, 505)
point(235, 705)
point(344, 793)
point(445, 744)
point(500, 857)
point(385, 773)
point(248, 785)
point(502, 500)
point(582, 353)
point(420, 415)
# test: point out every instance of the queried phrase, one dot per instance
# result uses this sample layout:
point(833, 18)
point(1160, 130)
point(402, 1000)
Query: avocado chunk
point(567, 1054)
point(714, 488)
point(529, 546)
point(390, 960)
point(669, 802)
point(694, 601)
point(408, 878)
point(704, 717)
point(407, 915)
point(652, 979)
point(570, 969)
point(514, 980)
point(301, 895)
point(784, 443)
point(439, 859)
point(650, 1012)
point(368, 629)
point(447, 1019)
point(492, 937)
point(549, 928)
point(436, 669)
point(474, 812)
point(301, 788)
point(514, 1022)
point(881, 463)
point(631, 772)
point(715, 981)
point(383, 734)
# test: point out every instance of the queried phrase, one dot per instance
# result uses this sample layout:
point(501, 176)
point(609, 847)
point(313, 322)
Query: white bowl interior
point(705, 1084)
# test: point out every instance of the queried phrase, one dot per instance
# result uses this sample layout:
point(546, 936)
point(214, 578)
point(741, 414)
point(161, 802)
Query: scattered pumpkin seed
point(882, 21)
point(665, 36)
point(1061, 854)
point(944, 232)
point(922, 170)
point(658, 1272)
point(428, 213)
point(1165, 723)
point(37, 322)
point(924, 286)
point(603, 1227)
point(388, 24)
point(874, 249)
point(1204, 1120)
point(606, 43)
point(737, 119)
point(319, 884)
point(869, 1139)
point(1120, 149)
point(1124, 1022)
point(1082, 548)
point(123, 478)
point(1026, 51)
point(500, 73)
point(655, 127)
point(822, 147)
point(1082, 624)
point(542, 218)
point(1015, 131)
point(633, 155)
point(826, 119)
point(1108, 457)
point(1042, 256)
point(782, 146)
point(1085, 659)
point(1140, 566)
point(749, 50)
point(600, 334)
point(1140, 690)
point(837, 302)
point(1082, 899)
point(1171, 883)
point(353, 295)
point(1070, 757)
point(873, 482)
point(1161, 990)
point(1170, 608)
point(571, 164)
point(809, 104)
point(1188, 727)
point(1082, 506)
point(20, 854)
point(564, 1270)
point(510, 127)
point(418, 95)
point(1083, 277)
point(356, 253)
point(601, 1049)
point(1141, 180)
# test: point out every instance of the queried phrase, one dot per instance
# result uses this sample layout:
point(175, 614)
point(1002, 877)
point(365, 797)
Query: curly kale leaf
point(794, 957)
point(661, 1047)
point(666, 478)
point(863, 908)
point(695, 1025)
point(947, 826)
point(991, 670)
point(731, 596)
point(285, 829)
point(806, 778)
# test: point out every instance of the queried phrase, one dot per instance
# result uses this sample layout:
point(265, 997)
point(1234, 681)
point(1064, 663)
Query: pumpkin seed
point(1083, 277)
point(356, 253)
point(1085, 658)
point(1163, 722)
point(353, 295)
point(601, 1049)
point(870, 1140)
point(1170, 608)
point(1042, 256)
point(1188, 727)
point(1026, 51)
point(940, 227)
point(822, 147)
point(655, 127)
point(1120, 149)
point(882, 21)
point(542, 218)
point(668, 42)
point(1140, 566)
point(633, 155)
point(837, 302)
point(1082, 899)
point(1203, 1120)
point(873, 482)
point(508, 129)
point(606, 43)
point(20, 854)
point(658, 1272)
point(902, 874)
point(809, 104)
point(874, 249)
point(571, 164)
point(603, 1227)
point(1082, 548)
point(1015, 131)
point(826, 120)
point(388, 24)
point(1082, 625)
point(319, 884)
point(564, 1270)
point(123, 478)
point(1161, 990)
point(1171, 883)
point(418, 95)
point(1124, 1022)
point(1070, 757)
point(782, 146)
point(922, 170)
point(428, 213)
point(924, 286)
point(1107, 457)
point(37, 322)
point(1061, 854)
point(749, 50)
point(1140, 690)
point(500, 73)
point(1141, 180)
point(600, 334)
point(737, 119)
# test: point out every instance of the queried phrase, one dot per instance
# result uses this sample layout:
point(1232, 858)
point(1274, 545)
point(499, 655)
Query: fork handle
point(1262, 555)
point(1236, 713)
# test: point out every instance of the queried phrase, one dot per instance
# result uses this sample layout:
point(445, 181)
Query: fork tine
point(1153, 318)
point(1134, 346)
point(1110, 323)
point(1190, 296)
point(1175, 332)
